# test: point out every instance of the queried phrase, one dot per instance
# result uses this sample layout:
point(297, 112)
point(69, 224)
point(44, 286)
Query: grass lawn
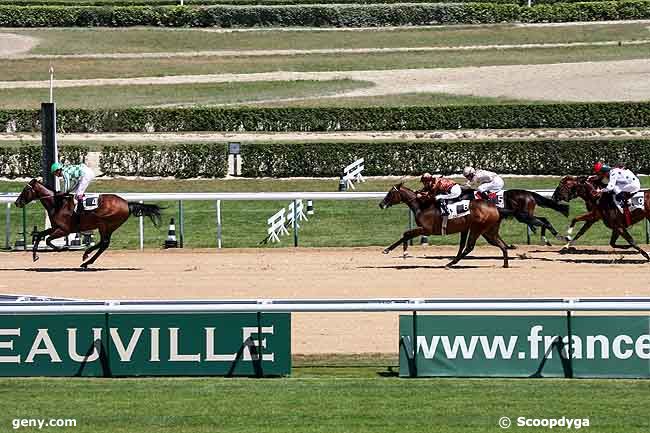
point(182, 94)
point(335, 223)
point(137, 40)
point(37, 69)
point(318, 399)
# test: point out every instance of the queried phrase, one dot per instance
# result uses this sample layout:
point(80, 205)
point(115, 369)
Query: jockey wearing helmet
point(440, 189)
point(76, 179)
point(621, 181)
point(483, 181)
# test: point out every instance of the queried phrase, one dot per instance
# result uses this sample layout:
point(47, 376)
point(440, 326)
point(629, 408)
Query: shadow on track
point(575, 251)
point(612, 261)
point(410, 267)
point(67, 269)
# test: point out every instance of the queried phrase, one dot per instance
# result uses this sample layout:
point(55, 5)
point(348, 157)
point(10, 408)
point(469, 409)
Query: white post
point(218, 223)
point(51, 81)
point(141, 221)
point(181, 2)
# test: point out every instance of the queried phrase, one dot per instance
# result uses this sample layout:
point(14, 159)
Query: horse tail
point(150, 210)
point(551, 204)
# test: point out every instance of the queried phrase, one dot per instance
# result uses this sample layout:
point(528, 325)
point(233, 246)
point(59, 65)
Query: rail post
point(8, 227)
point(141, 230)
point(528, 235)
point(218, 204)
point(414, 372)
point(181, 224)
point(411, 217)
point(24, 228)
point(647, 232)
point(570, 345)
point(295, 223)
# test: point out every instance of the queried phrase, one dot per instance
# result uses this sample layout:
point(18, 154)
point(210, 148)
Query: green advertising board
point(210, 344)
point(524, 346)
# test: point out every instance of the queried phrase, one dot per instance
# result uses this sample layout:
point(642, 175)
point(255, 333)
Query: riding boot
point(485, 196)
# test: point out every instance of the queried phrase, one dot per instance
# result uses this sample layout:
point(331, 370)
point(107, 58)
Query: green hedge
point(260, 2)
point(579, 115)
point(25, 161)
point(181, 161)
point(209, 160)
point(316, 15)
point(556, 157)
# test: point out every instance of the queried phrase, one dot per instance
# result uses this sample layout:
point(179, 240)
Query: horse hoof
point(83, 266)
point(35, 259)
point(385, 252)
point(511, 247)
point(406, 256)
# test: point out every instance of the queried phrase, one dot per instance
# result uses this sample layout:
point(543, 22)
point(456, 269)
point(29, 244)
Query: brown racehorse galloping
point(112, 212)
point(483, 220)
point(602, 207)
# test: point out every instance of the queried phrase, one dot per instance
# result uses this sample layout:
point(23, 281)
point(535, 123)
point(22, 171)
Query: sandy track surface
point(12, 44)
point(327, 273)
point(585, 81)
point(462, 134)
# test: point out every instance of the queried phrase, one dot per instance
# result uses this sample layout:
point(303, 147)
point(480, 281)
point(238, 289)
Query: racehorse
point(112, 212)
point(600, 207)
point(522, 203)
point(483, 220)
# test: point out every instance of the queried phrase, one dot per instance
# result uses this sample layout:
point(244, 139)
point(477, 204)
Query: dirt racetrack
point(329, 273)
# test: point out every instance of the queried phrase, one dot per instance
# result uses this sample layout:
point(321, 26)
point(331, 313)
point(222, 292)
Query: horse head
point(393, 197)
point(34, 190)
point(567, 189)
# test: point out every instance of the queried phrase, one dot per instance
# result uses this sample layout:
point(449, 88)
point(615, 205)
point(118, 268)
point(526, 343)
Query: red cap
point(598, 167)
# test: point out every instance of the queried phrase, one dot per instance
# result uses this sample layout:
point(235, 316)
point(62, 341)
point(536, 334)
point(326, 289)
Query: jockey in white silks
point(620, 181)
point(483, 181)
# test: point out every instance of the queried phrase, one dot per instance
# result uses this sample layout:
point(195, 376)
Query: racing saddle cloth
point(90, 202)
point(637, 201)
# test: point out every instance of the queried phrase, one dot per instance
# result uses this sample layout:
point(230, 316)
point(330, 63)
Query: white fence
point(629, 304)
point(353, 173)
point(217, 198)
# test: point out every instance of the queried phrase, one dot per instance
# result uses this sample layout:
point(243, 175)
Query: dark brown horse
point(112, 212)
point(600, 207)
point(522, 203)
point(483, 220)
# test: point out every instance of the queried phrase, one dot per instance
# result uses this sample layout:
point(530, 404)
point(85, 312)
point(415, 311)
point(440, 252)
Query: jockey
point(440, 188)
point(76, 179)
point(621, 181)
point(483, 181)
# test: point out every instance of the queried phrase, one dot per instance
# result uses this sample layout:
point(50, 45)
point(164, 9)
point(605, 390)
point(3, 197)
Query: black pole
point(414, 372)
point(570, 344)
point(48, 139)
point(260, 353)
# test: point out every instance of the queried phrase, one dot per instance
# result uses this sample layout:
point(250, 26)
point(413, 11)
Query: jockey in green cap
point(76, 179)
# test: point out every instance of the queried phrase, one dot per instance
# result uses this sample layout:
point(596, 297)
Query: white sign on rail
point(353, 173)
point(299, 212)
point(276, 225)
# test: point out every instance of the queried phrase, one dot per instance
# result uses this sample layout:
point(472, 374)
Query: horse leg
point(626, 235)
point(461, 246)
point(471, 243)
point(614, 238)
point(548, 226)
point(418, 231)
point(103, 245)
point(586, 226)
point(37, 240)
point(495, 239)
point(407, 236)
point(56, 234)
point(89, 250)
